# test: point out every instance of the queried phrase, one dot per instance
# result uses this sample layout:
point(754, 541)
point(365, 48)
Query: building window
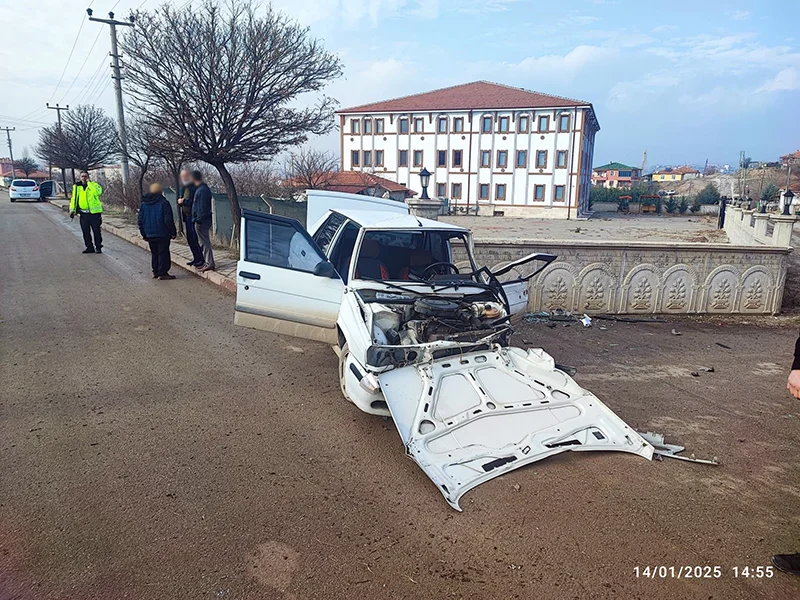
point(624, 173)
point(355, 128)
point(541, 159)
point(441, 190)
point(558, 194)
point(484, 191)
point(538, 192)
point(354, 158)
point(367, 126)
point(561, 159)
point(441, 160)
point(367, 158)
point(544, 123)
point(500, 191)
point(457, 158)
point(673, 177)
point(486, 159)
point(486, 126)
point(563, 122)
point(458, 124)
point(502, 159)
point(504, 124)
point(522, 159)
point(442, 126)
point(402, 158)
point(523, 124)
point(378, 158)
point(403, 124)
point(419, 125)
point(378, 125)
point(456, 191)
point(417, 158)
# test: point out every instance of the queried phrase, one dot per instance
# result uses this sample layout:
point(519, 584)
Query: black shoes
point(196, 263)
point(165, 277)
point(88, 251)
point(788, 563)
point(155, 275)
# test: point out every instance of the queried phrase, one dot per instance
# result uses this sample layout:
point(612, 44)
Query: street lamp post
point(425, 179)
point(788, 196)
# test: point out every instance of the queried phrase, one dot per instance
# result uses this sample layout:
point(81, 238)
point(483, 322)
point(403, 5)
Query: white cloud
point(786, 80)
point(740, 15)
point(483, 6)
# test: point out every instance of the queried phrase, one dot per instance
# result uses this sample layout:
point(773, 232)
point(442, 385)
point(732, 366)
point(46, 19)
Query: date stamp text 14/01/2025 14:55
point(703, 572)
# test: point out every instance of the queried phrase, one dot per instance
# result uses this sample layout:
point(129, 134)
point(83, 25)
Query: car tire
point(343, 355)
point(13, 199)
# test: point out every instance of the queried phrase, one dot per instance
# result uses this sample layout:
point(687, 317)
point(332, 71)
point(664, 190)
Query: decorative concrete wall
point(648, 278)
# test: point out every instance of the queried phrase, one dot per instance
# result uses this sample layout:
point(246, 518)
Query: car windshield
point(408, 255)
point(23, 183)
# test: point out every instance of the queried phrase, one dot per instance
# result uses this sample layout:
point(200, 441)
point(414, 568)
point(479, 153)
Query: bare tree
point(142, 147)
point(310, 169)
point(224, 82)
point(257, 179)
point(87, 140)
point(26, 164)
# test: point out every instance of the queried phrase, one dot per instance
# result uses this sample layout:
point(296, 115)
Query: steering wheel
point(450, 265)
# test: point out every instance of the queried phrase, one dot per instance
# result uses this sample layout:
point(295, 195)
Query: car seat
point(418, 262)
point(368, 265)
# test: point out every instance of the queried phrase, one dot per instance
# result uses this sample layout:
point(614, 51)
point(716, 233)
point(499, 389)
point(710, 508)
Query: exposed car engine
point(425, 319)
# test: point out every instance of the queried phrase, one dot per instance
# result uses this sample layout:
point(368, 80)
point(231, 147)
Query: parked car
point(422, 335)
point(23, 189)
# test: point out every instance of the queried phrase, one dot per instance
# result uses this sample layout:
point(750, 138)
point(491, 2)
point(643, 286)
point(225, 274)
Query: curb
point(177, 260)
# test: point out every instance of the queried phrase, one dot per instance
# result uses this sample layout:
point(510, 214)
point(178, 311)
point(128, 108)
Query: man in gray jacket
point(201, 217)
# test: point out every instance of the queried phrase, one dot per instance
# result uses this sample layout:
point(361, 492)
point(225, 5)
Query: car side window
point(280, 243)
point(325, 234)
point(342, 252)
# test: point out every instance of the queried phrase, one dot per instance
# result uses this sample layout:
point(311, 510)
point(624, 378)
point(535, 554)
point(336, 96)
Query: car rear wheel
point(344, 354)
point(13, 199)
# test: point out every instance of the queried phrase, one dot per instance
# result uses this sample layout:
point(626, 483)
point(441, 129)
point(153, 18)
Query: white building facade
point(504, 150)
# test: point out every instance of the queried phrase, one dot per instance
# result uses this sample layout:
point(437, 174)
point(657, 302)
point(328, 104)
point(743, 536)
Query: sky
point(684, 80)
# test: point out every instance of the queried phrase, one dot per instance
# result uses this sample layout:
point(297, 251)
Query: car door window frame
point(255, 216)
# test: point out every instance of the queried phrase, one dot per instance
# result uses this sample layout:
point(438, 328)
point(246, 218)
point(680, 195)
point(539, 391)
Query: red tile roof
point(468, 96)
point(354, 182)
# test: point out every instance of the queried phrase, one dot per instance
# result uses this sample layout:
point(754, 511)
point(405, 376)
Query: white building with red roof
point(506, 150)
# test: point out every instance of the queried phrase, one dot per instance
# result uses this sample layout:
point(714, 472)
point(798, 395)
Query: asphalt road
point(149, 449)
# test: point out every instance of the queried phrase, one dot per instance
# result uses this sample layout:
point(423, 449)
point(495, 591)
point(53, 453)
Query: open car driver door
point(284, 282)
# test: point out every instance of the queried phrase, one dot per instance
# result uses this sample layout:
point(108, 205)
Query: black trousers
point(90, 225)
point(159, 252)
point(191, 239)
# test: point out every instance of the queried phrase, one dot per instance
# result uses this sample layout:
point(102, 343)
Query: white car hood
point(469, 418)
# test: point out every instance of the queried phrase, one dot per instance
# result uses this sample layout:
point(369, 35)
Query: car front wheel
point(344, 354)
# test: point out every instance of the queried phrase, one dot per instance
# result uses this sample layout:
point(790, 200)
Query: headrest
point(370, 249)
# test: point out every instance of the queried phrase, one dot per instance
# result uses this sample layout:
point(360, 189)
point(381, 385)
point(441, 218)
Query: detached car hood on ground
point(470, 418)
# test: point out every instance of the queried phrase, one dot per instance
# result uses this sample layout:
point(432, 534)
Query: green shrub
point(709, 195)
point(683, 206)
point(671, 204)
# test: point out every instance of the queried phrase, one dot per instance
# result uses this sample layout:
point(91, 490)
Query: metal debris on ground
point(676, 332)
point(586, 320)
point(662, 449)
point(567, 317)
point(721, 345)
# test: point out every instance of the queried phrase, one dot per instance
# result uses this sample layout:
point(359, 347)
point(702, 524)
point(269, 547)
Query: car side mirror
point(325, 269)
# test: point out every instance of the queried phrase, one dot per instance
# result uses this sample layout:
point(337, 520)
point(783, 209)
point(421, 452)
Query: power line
point(75, 43)
point(83, 64)
point(90, 85)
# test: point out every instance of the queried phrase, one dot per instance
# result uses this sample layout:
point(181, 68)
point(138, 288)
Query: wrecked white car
point(421, 338)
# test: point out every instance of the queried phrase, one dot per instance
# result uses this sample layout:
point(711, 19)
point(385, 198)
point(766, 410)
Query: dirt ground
point(150, 449)
point(603, 226)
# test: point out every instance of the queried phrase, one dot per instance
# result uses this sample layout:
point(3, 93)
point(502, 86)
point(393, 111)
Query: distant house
point(793, 158)
point(365, 184)
point(615, 175)
point(675, 174)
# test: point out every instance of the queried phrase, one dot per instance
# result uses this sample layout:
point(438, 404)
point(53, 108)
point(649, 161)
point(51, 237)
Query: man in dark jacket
point(201, 217)
point(185, 201)
point(157, 226)
point(790, 563)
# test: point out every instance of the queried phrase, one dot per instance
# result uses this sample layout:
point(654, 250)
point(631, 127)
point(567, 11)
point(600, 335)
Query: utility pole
point(8, 131)
point(58, 110)
point(117, 77)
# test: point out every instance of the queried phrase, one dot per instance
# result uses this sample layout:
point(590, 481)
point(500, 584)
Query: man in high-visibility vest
point(86, 203)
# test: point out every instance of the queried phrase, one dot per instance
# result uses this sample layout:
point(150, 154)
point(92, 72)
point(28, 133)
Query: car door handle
point(248, 275)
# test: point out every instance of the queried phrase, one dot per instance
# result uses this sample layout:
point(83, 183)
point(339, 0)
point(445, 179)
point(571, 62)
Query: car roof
point(378, 219)
point(23, 179)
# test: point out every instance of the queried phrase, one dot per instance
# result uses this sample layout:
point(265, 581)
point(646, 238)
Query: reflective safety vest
point(86, 200)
